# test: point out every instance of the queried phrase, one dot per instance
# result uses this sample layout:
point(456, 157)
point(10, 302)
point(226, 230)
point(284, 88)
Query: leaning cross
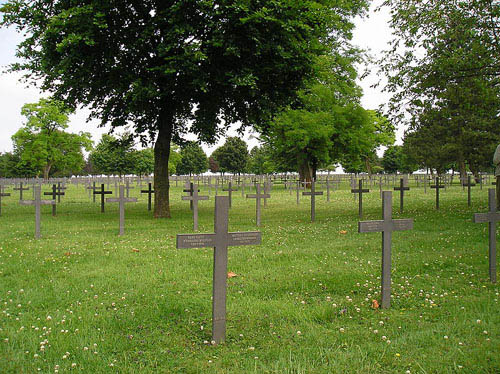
point(401, 190)
point(21, 189)
point(220, 240)
point(194, 198)
point(469, 184)
point(257, 196)
point(313, 195)
point(122, 200)
point(230, 189)
point(54, 195)
point(387, 225)
point(360, 191)
point(150, 192)
point(37, 202)
point(437, 186)
point(102, 192)
point(492, 217)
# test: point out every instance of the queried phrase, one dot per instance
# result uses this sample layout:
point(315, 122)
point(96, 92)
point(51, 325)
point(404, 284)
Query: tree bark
point(305, 173)
point(161, 182)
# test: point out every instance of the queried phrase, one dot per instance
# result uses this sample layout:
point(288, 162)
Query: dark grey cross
point(401, 190)
point(122, 200)
point(21, 189)
point(297, 187)
point(102, 192)
point(189, 188)
point(54, 195)
point(492, 217)
point(93, 188)
point(437, 186)
point(37, 202)
point(257, 196)
point(313, 195)
point(194, 198)
point(220, 240)
point(150, 192)
point(360, 191)
point(387, 225)
point(469, 184)
point(267, 189)
point(230, 189)
point(2, 194)
point(328, 185)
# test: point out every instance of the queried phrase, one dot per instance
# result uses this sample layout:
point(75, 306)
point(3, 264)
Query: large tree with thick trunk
point(169, 67)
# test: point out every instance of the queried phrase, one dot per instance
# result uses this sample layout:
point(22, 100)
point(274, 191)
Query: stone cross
point(230, 189)
point(437, 186)
point(93, 188)
point(150, 192)
point(328, 185)
point(313, 195)
point(128, 187)
point(401, 190)
point(21, 189)
point(360, 191)
point(37, 202)
point(267, 188)
point(387, 225)
point(469, 184)
point(257, 196)
point(54, 195)
point(2, 194)
point(60, 189)
point(189, 188)
point(102, 192)
point(194, 198)
point(220, 240)
point(122, 200)
point(492, 217)
point(297, 187)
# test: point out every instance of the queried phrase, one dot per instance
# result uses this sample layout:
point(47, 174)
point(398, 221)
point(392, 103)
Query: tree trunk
point(368, 167)
point(305, 173)
point(46, 171)
point(161, 183)
point(463, 172)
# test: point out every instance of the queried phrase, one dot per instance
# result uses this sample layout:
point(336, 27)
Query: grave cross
point(194, 198)
point(60, 193)
point(313, 195)
point(150, 192)
point(401, 190)
point(54, 195)
point(492, 217)
point(122, 200)
point(257, 196)
point(230, 189)
point(360, 191)
point(437, 186)
point(21, 189)
point(297, 187)
point(387, 225)
point(469, 184)
point(220, 240)
point(102, 192)
point(189, 188)
point(128, 187)
point(2, 194)
point(37, 202)
point(93, 188)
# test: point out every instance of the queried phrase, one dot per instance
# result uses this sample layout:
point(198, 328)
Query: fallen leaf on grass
point(231, 275)
point(343, 232)
point(67, 253)
point(135, 250)
point(375, 304)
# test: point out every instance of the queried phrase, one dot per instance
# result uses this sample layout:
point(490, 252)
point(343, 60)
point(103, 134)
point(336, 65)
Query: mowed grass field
point(82, 299)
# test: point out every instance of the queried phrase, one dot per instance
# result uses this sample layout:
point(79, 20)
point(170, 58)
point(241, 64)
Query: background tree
point(167, 67)
point(143, 162)
point(42, 143)
point(114, 155)
point(193, 160)
point(260, 161)
point(232, 157)
point(174, 159)
point(213, 165)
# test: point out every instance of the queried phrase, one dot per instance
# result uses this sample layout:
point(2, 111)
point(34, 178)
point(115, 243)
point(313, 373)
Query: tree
point(213, 165)
point(169, 66)
point(42, 143)
point(143, 162)
point(260, 161)
point(193, 160)
point(174, 159)
point(232, 157)
point(114, 155)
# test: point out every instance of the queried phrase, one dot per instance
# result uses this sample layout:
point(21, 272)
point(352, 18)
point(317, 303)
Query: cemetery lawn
point(82, 299)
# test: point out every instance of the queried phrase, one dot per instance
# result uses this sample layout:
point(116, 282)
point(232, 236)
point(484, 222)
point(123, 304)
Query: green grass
point(301, 302)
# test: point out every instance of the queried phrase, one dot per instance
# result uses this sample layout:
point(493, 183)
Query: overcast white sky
point(371, 33)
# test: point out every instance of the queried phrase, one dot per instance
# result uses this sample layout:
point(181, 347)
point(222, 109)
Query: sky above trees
point(371, 33)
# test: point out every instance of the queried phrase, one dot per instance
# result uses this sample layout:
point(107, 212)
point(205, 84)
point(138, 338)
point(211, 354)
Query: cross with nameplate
point(194, 198)
point(387, 225)
point(122, 200)
point(492, 217)
point(360, 191)
point(37, 202)
point(313, 195)
point(469, 184)
point(220, 241)
point(257, 196)
point(230, 189)
point(54, 195)
point(437, 186)
point(102, 192)
point(150, 192)
point(401, 190)
point(21, 189)
point(2, 194)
